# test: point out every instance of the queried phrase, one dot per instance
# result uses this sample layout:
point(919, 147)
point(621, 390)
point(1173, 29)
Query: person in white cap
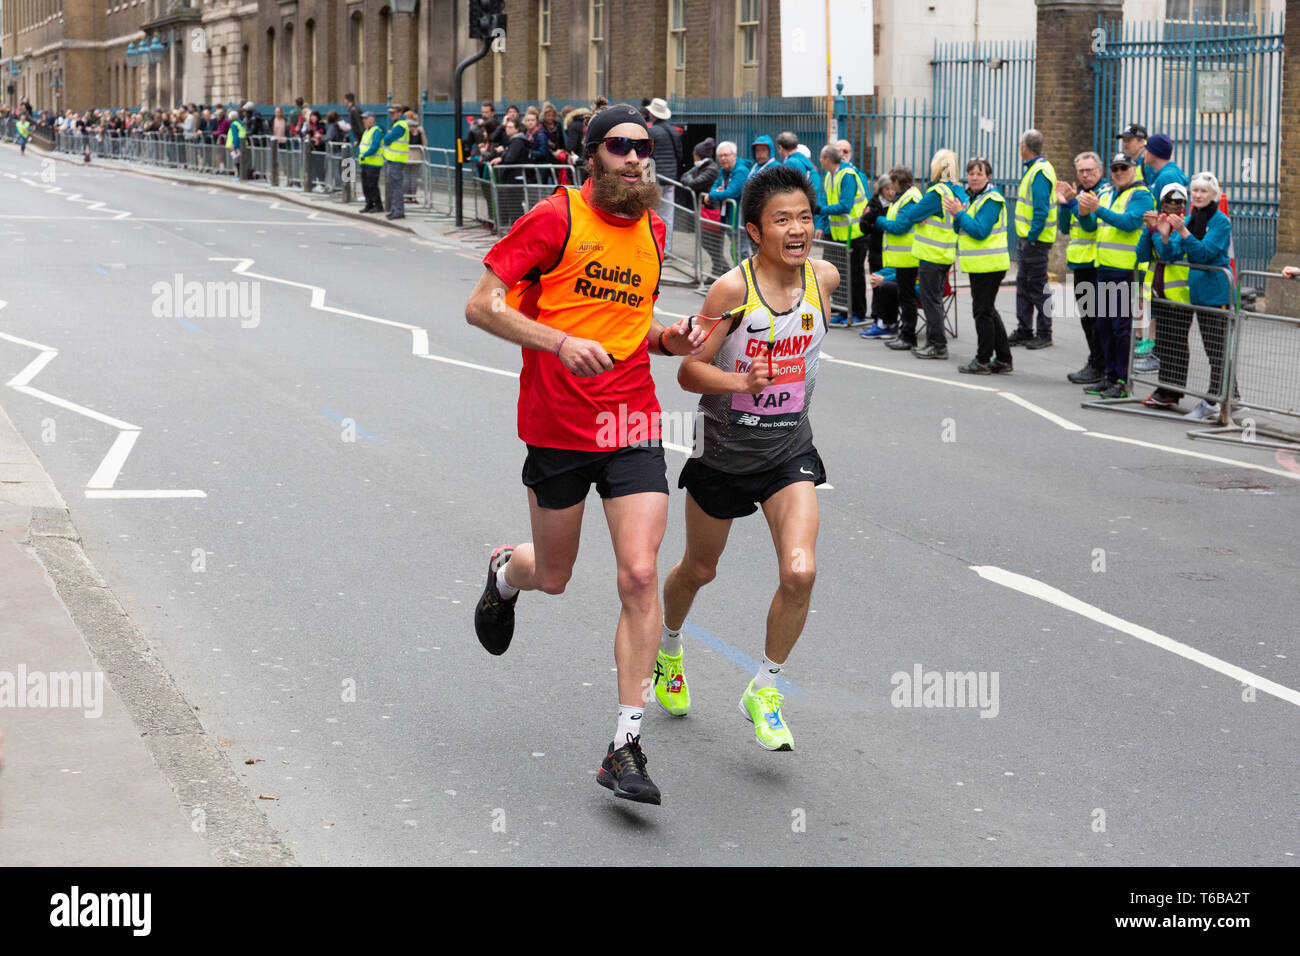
point(667, 159)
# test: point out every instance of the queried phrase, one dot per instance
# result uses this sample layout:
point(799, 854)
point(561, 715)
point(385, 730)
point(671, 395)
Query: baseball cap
point(367, 113)
point(1173, 191)
point(1121, 159)
point(1133, 131)
point(248, 105)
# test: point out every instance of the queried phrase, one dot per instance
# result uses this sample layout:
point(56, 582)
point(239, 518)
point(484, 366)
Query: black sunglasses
point(622, 145)
point(1175, 202)
point(1119, 168)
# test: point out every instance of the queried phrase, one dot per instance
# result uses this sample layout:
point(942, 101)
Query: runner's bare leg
point(546, 562)
point(792, 517)
point(706, 537)
point(636, 527)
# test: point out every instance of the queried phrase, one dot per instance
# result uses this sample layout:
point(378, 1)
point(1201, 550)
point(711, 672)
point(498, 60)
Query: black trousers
point(884, 304)
point(1173, 324)
point(1031, 288)
point(990, 333)
point(931, 276)
point(906, 279)
point(1085, 301)
point(857, 276)
point(370, 186)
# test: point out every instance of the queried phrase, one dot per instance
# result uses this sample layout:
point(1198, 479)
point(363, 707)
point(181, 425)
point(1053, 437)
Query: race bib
point(780, 405)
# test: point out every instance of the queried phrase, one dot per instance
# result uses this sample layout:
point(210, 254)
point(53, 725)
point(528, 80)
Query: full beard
point(629, 200)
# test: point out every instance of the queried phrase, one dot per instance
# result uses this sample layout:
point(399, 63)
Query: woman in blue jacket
point(1203, 238)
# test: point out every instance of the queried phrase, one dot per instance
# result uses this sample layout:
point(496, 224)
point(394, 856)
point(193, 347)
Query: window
point(596, 56)
point(747, 47)
point(677, 47)
point(543, 49)
point(1216, 11)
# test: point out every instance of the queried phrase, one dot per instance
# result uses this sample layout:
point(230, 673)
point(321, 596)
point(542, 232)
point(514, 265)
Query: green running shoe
point(1145, 347)
point(762, 708)
point(670, 685)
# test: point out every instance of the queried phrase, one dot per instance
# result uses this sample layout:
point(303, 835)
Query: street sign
point(1214, 91)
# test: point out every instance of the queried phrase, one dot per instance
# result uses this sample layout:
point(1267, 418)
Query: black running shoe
point(1020, 337)
point(623, 771)
point(494, 618)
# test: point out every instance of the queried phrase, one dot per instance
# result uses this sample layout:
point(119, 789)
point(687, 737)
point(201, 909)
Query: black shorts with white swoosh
point(723, 495)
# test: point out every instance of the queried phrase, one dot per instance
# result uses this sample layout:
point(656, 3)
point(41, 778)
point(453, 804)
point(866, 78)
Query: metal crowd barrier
point(837, 254)
point(1206, 374)
point(438, 183)
point(1265, 376)
point(720, 244)
point(680, 214)
point(261, 150)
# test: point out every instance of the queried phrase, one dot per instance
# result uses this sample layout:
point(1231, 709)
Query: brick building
point(74, 53)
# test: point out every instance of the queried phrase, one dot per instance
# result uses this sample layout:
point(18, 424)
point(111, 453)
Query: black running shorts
point(561, 477)
point(723, 495)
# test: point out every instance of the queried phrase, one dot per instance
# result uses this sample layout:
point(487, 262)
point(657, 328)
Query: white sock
point(671, 642)
point(629, 722)
point(505, 590)
point(767, 674)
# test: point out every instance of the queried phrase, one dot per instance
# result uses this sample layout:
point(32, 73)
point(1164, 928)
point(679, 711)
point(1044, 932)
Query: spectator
point(788, 153)
point(575, 128)
point(1203, 238)
point(554, 134)
point(732, 173)
point(510, 179)
point(190, 126)
point(846, 201)
point(985, 256)
point(934, 247)
point(700, 179)
point(898, 254)
point(1159, 171)
point(667, 157)
point(279, 126)
point(762, 150)
point(397, 148)
point(1133, 140)
point(846, 151)
point(296, 115)
point(1290, 272)
point(356, 123)
point(371, 161)
point(333, 130)
point(1081, 258)
point(1121, 213)
point(1036, 231)
point(877, 206)
point(253, 121)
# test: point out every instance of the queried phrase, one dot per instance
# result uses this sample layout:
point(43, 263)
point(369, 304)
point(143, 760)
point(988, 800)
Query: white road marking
point(897, 371)
point(105, 476)
point(1197, 454)
point(1039, 410)
point(1045, 592)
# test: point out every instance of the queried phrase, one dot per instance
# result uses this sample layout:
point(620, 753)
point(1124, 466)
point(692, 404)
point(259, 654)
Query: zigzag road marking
point(105, 477)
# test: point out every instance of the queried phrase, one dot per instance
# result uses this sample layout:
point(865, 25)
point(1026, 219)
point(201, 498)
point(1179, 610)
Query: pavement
point(291, 507)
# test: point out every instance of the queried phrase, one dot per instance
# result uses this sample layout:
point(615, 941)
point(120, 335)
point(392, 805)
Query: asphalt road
point(316, 602)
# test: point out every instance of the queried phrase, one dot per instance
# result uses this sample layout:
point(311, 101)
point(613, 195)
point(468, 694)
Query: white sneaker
point(1203, 410)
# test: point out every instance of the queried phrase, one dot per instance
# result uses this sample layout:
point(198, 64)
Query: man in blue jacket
point(764, 152)
point(1036, 230)
point(846, 201)
point(732, 173)
point(789, 154)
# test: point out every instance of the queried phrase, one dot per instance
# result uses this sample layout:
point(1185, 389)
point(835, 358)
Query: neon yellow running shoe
point(670, 685)
point(762, 708)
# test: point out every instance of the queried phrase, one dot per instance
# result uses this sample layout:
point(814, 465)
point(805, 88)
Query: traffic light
point(485, 17)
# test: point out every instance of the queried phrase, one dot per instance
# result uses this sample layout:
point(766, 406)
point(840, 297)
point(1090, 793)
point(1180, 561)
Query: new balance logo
point(747, 420)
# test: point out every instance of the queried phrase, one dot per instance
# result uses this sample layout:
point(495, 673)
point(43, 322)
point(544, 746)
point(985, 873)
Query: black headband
point(608, 118)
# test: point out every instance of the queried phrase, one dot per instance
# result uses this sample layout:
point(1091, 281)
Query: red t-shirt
point(557, 277)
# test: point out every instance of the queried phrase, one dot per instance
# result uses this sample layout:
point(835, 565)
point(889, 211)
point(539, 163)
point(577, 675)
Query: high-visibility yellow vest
point(230, 134)
point(1082, 250)
point(398, 149)
point(935, 241)
point(24, 127)
point(1117, 249)
point(367, 140)
point(846, 226)
point(898, 249)
point(989, 254)
point(1025, 204)
point(1177, 282)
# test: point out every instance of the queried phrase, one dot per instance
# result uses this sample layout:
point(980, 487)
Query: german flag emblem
point(807, 318)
